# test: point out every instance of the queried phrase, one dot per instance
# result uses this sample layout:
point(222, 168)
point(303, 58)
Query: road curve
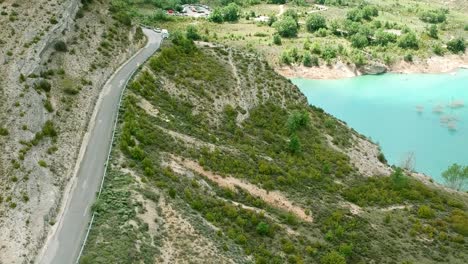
point(65, 240)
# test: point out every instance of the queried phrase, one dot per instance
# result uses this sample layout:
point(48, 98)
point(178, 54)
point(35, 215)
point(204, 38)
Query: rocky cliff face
point(55, 56)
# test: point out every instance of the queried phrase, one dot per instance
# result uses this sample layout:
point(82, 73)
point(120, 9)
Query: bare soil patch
point(273, 198)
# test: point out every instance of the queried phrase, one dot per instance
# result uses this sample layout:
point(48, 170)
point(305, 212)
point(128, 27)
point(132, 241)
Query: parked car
point(158, 30)
point(165, 33)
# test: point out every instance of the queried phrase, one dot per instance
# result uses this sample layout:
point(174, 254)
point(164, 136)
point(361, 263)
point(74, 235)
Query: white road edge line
point(110, 146)
point(72, 182)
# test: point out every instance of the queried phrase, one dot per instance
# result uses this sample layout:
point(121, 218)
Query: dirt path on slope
point(273, 198)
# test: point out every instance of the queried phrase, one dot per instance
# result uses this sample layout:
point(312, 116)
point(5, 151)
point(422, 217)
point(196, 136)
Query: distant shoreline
point(340, 70)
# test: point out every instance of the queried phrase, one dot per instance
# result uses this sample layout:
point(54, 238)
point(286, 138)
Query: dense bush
point(438, 50)
point(292, 14)
point(192, 33)
point(315, 22)
point(333, 257)
point(286, 27)
point(4, 131)
point(358, 58)
point(432, 31)
point(366, 12)
point(456, 45)
point(43, 85)
point(369, 11)
point(434, 16)
point(425, 211)
point(408, 41)
point(60, 46)
point(216, 16)
point(276, 39)
point(459, 221)
point(307, 59)
point(231, 12)
point(354, 15)
point(388, 190)
point(359, 41)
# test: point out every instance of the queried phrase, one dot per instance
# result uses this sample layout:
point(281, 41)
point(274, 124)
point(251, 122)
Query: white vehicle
point(165, 33)
point(157, 30)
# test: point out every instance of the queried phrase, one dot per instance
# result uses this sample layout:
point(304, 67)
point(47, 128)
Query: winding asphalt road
point(65, 241)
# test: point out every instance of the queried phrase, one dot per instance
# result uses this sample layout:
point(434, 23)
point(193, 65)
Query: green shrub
point(276, 39)
point(125, 19)
point(231, 12)
point(159, 15)
point(292, 14)
point(354, 15)
point(71, 90)
point(408, 41)
point(323, 32)
point(22, 78)
point(4, 131)
point(286, 27)
point(192, 33)
point(60, 46)
point(43, 85)
point(216, 16)
point(298, 120)
point(294, 144)
point(263, 228)
point(456, 176)
point(434, 16)
point(172, 192)
point(329, 53)
point(408, 57)
point(381, 158)
point(456, 45)
point(425, 211)
point(438, 50)
point(307, 59)
point(383, 38)
point(315, 22)
point(432, 31)
point(359, 41)
point(369, 11)
point(333, 257)
point(48, 129)
point(459, 221)
point(42, 163)
point(48, 106)
point(358, 58)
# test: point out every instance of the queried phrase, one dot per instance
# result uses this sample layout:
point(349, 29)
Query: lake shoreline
point(362, 103)
point(432, 65)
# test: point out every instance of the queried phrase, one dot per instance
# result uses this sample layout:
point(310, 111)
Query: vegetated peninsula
point(218, 159)
point(330, 39)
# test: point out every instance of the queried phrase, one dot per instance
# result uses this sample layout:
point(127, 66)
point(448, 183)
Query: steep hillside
point(55, 56)
point(218, 159)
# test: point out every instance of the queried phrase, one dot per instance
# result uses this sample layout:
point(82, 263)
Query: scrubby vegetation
point(226, 111)
point(357, 32)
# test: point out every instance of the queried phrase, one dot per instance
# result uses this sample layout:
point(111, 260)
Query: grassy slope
point(238, 115)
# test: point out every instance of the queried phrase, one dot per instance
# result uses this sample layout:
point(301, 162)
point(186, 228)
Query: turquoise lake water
point(422, 114)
